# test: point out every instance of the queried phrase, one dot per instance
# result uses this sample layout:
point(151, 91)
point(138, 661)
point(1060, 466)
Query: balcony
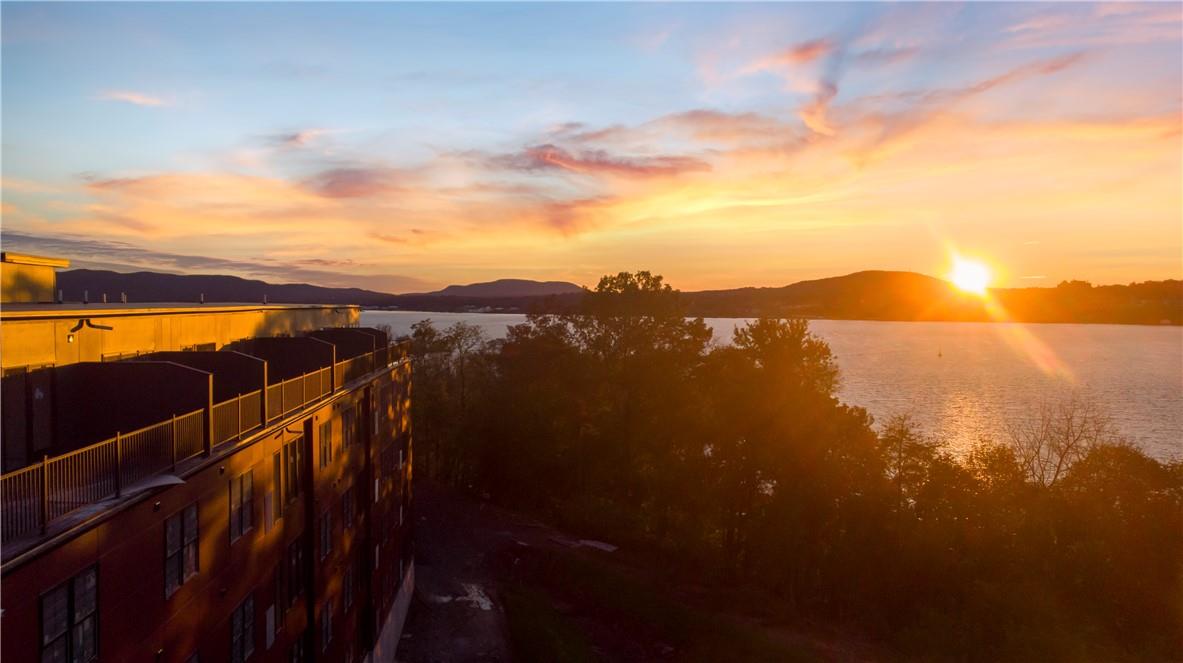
point(204, 401)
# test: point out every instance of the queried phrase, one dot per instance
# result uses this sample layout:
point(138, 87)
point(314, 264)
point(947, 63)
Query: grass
point(539, 632)
point(600, 591)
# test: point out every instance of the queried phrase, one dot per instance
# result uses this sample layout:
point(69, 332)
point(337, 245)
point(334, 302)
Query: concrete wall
point(53, 336)
point(27, 283)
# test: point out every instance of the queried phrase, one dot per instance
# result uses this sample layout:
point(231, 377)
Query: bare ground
point(470, 557)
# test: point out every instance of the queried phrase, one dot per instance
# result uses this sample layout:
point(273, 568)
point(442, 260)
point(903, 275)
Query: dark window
point(348, 428)
point(180, 548)
point(326, 443)
point(326, 534)
point(388, 464)
point(348, 507)
point(241, 505)
point(280, 592)
point(326, 625)
point(69, 620)
point(293, 453)
point(277, 476)
point(242, 630)
point(296, 653)
point(295, 571)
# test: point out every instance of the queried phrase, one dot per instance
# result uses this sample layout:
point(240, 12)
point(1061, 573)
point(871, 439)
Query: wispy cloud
point(134, 98)
point(296, 139)
point(107, 254)
point(598, 162)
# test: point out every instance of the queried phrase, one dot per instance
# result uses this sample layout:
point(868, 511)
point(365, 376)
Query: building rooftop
point(27, 259)
point(18, 311)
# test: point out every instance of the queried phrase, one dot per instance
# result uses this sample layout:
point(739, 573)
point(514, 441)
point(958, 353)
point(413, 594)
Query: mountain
point(869, 295)
point(156, 287)
point(510, 288)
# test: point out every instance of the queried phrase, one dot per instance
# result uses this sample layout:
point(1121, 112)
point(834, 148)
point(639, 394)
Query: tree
point(1058, 435)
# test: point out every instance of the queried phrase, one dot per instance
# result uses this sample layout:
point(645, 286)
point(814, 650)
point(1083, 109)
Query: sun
point(970, 276)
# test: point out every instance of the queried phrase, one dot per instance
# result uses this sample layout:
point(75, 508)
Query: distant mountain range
point(868, 295)
point(508, 288)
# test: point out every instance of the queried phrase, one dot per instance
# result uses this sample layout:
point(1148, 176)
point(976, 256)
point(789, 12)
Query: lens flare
point(970, 276)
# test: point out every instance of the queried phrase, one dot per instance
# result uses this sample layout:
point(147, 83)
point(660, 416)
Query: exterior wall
point(136, 622)
point(27, 283)
point(48, 336)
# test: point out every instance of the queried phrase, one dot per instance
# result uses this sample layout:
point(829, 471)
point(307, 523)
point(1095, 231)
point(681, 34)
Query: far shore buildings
point(193, 482)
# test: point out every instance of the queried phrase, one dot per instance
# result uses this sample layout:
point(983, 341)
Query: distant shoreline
point(806, 317)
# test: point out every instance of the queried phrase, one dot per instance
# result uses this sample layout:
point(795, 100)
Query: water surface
point(963, 380)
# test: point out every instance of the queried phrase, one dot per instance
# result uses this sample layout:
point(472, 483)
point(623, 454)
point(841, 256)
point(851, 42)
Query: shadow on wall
point(287, 357)
point(234, 372)
point(92, 401)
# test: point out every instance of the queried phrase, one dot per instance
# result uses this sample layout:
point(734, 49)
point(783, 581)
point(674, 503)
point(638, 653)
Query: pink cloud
point(134, 98)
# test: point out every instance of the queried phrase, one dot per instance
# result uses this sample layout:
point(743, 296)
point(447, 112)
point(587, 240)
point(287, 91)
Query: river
point(963, 380)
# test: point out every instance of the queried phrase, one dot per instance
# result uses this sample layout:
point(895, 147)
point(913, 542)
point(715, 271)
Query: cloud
point(597, 162)
point(296, 139)
point(798, 54)
point(135, 98)
point(353, 182)
point(123, 256)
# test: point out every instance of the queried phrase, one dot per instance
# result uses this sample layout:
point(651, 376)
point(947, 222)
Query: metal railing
point(33, 497)
point(39, 494)
point(235, 416)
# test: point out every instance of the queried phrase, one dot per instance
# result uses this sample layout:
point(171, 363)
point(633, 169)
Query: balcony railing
point(33, 497)
point(237, 416)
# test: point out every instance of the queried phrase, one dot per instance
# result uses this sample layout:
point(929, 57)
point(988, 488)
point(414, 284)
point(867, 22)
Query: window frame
point(326, 444)
point(68, 637)
point(324, 527)
point(242, 619)
point(188, 550)
point(242, 506)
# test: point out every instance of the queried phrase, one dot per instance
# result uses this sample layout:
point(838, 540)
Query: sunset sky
point(406, 147)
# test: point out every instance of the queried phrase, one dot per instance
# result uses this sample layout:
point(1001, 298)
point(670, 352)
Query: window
point(277, 475)
point(269, 633)
point(69, 619)
point(326, 625)
point(348, 507)
point(326, 534)
point(241, 505)
point(295, 572)
point(386, 461)
point(347, 587)
point(348, 427)
point(280, 588)
point(296, 653)
point(242, 630)
point(326, 443)
point(293, 453)
point(180, 548)
point(268, 512)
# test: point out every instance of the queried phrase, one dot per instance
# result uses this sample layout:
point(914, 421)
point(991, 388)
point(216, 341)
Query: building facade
point(246, 501)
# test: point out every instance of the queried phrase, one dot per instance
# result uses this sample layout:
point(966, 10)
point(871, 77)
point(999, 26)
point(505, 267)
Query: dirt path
point(469, 553)
point(454, 615)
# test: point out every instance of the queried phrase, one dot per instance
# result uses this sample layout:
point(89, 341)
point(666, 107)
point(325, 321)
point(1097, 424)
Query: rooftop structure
point(228, 481)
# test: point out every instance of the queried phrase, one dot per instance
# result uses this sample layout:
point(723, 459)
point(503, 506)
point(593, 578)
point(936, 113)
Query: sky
point(403, 147)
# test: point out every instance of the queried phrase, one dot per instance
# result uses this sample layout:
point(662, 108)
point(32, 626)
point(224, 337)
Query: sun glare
point(970, 276)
